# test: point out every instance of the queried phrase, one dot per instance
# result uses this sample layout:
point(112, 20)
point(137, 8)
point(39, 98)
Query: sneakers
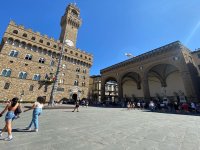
point(35, 130)
point(9, 138)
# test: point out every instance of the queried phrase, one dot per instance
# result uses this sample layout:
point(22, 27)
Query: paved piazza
point(106, 129)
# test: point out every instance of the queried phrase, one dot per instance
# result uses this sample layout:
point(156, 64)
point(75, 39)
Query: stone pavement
point(106, 129)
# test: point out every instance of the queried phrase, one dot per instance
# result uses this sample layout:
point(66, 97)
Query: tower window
point(13, 53)
point(6, 72)
point(28, 57)
point(33, 38)
point(41, 41)
point(52, 63)
point(16, 43)
point(71, 52)
point(31, 87)
point(74, 13)
point(54, 46)
point(81, 56)
point(48, 43)
point(22, 75)
point(41, 60)
point(15, 31)
point(24, 35)
point(7, 85)
point(76, 83)
point(84, 70)
point(29, 46)
point(77, 69)
point(83, 83)
point(36, 77)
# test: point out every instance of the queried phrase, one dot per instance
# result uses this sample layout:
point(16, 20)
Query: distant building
point(111, 90)
point(170, 71)
point(28, 61)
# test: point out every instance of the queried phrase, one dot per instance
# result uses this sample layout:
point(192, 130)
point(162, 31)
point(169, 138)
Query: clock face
point(69, 43)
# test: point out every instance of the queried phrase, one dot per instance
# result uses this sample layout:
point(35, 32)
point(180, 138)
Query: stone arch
point(164, 79)
point(131, 84)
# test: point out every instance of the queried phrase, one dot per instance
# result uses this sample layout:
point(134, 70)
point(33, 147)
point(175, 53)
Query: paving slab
point(96, 128)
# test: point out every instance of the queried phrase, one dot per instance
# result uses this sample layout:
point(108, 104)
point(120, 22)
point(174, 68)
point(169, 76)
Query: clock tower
point(70, 23)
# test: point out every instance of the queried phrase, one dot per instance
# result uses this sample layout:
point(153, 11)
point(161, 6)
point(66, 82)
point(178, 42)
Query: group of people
point(13, 109)
point(133, 105)
point(174, 107)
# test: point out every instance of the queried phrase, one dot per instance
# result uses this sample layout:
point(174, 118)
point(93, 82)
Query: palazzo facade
point(29, 60)
point(170, 71)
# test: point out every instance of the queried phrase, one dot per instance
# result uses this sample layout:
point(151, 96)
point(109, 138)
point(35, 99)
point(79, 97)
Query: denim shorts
point(10, 116)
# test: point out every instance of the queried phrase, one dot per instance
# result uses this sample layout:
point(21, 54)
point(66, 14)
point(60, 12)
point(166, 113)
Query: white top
point(38, 105)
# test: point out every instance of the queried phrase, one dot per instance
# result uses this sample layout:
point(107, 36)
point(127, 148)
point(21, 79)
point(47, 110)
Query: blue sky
point(112, 27)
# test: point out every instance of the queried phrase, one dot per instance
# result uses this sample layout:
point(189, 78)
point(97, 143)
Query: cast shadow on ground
point(173, 113)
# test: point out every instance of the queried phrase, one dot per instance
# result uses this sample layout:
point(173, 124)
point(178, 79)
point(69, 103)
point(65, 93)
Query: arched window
point(24, 35)
point(6, 72)
point(31, 87)
point(23, 45)
point(74, 13)
point(36, 77)
point(15, 31)
point(41, 41)
point(7, 85)
point(22, 75)
point(76, 83)
point(29, 46)
point(41, 60)
point(52, 63)
point(77, 69)
point(16, 43)
point(83, 83)
point(54, 46)
point(48, 43)
point(13, 53)
point(39, 49)
point(10, 41)
point(84, 70)
point(33, 38)
point(28, 57)
point(34, 48)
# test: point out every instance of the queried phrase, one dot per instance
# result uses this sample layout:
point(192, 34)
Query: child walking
point(37, 110)
point(10, 116)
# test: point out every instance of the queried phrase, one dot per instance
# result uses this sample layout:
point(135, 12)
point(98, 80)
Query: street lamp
point(55, 83)
point(129, 55)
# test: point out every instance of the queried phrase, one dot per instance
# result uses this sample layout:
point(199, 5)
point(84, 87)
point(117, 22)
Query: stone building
point(169, 71)
point(28, 60)
point(111, 89)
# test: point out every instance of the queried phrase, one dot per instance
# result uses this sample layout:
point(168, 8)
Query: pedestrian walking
point(10, 116)
point(37, 110)
point(76, 106)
